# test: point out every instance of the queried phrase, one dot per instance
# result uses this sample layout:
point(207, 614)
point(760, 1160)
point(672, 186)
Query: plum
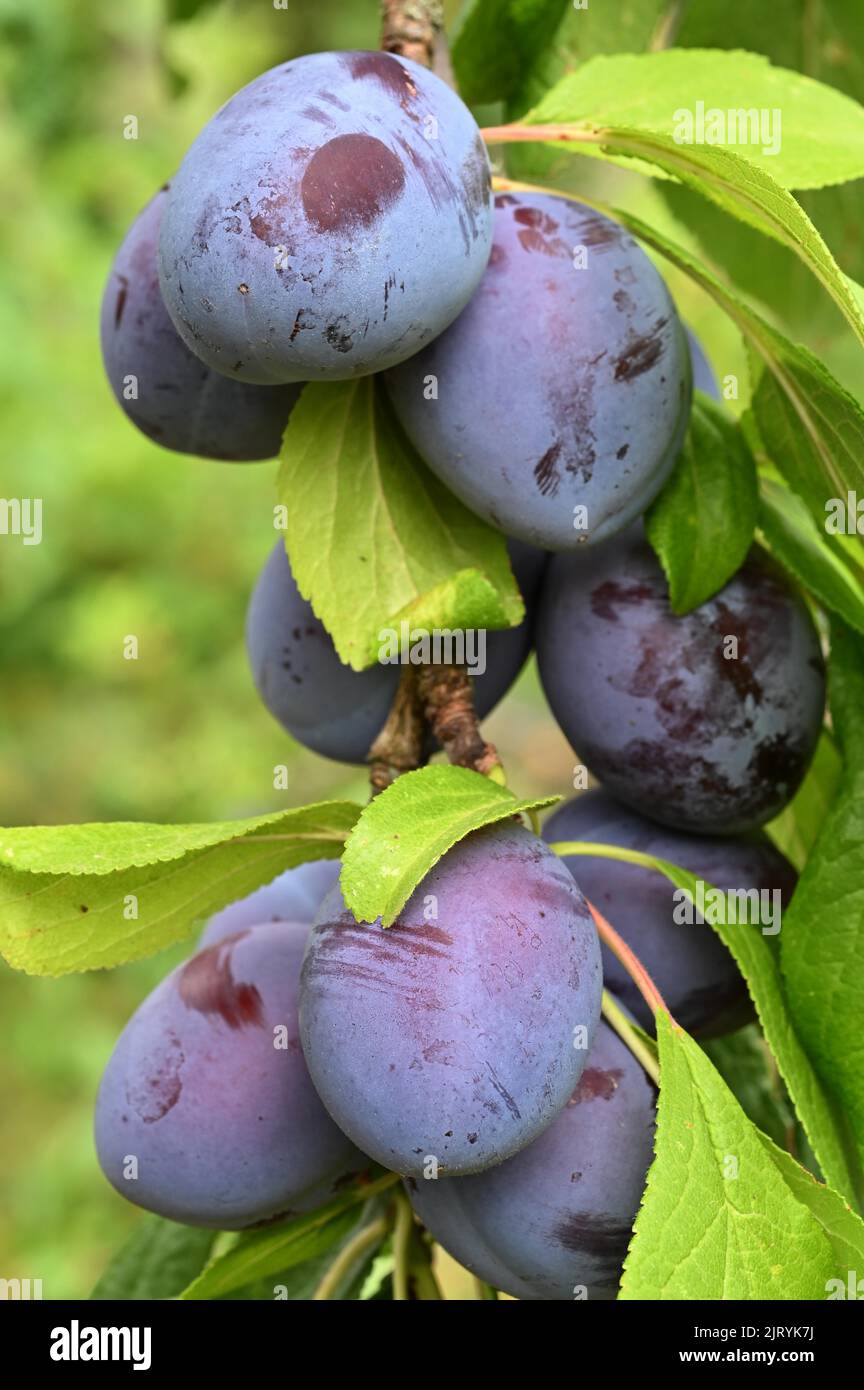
point(294, 896)
point(694, 971)
point(331, 218)
point(179, 402)
point(555, 1221)
point(455, 1036)
point(705, 722)
point(207, 1094)
point(564, 385)
point(327, 706)
point(703, 373)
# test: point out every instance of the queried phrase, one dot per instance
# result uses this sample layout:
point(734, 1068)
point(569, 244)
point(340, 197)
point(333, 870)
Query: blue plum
point(706, 722)
point(694, 971)
point(562, 386)
point(294, 896)
point(703, 373)
point(331, 218)
point(177, 401)
point(208, 1094)
point(327, 706)
point(456, 1035)
point(554, 1221)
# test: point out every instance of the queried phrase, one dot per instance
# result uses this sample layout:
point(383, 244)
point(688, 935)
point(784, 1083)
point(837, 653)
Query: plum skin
point(657, 712)
point(182, 404)
point(558, 1216)
point(227, 1128)
point(453, 1036)
point(327, 706)
point(694, 971)
point(294, 896)
point(332, 217)
point(557, 387)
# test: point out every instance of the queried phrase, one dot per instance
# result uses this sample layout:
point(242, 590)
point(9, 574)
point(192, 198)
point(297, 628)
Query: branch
point(448, 704)
point(412, 29)
point(399, 746)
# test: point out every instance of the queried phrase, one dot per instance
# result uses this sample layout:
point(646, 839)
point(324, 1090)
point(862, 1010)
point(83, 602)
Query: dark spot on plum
point(622, 452)
point(596, 1084)
point(506, 200)
point(547, 475)
point(623, 302)
point(538, 232)
point(314, 113)
point(386, 70)
point(335, 101)
point(350, 182)
point(641, 353)
point(597, 231)
point(120, 303)
point(472, 1138)
point(611, 595)
point(585, 1234)
point(338, 338)
point(498, 255)
point(244, 288)
point(207, 985)
point(298, 325)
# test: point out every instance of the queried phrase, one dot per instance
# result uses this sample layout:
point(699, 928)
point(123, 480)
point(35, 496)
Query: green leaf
point(811, 411)
point(797, 542)
point(157, 1261)
point(496, 40)
point(758, 960)
point(726, 1214)
point(745, 1064)
point(811, 428)
point(797, 827)
point(702, 524)
point(374, 537)
point(273, 1249)
point(406, 830)
point(822, 942)
point(90, 897)
point(650, 91)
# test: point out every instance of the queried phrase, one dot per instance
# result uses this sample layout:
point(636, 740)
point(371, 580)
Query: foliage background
point(137, 540)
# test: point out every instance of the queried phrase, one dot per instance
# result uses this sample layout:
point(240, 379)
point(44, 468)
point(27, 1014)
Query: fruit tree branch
point(412, 29)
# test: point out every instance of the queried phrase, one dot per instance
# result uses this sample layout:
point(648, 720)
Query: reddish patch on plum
point(598, 231)
point(159, 1087)
point(611, 595)
point(207, 985)
point(596, 1084)
point(385, 70)
point(538, 233)
point(350, 182)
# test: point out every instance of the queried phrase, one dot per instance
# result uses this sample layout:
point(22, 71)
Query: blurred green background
point(136, 540)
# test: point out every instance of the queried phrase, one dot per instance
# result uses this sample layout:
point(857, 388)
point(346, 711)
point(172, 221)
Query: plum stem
point(563, 133)
point(352, 1251)
point(448, 704)
point(412, 29)
point(632, 964)
point(403, 1230)
point(617, 1019)
point(399, 746)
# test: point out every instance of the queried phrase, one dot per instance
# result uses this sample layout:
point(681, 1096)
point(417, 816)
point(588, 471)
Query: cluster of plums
point(333, 220)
